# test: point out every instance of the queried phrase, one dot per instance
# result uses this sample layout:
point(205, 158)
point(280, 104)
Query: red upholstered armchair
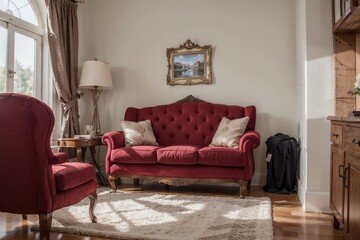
point(32, 179)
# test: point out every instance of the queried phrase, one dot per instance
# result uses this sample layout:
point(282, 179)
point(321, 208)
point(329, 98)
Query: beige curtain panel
point(63, 41)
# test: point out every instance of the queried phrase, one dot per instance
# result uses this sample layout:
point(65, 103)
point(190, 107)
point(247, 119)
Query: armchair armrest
point(59, 158)
point(249, 141)
point(114, 140)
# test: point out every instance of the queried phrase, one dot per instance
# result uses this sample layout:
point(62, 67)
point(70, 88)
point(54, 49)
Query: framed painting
point(189, 64)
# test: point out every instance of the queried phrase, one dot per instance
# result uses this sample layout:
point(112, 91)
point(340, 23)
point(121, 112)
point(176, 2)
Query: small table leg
point(102, 178)
point(79, 154)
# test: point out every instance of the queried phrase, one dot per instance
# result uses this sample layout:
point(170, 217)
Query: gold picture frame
point(189, 64)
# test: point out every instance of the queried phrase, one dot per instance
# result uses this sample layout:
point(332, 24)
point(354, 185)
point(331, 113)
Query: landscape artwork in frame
point(189, 64)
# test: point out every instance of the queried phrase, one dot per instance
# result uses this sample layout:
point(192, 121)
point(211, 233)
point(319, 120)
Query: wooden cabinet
point(345, 72)
point(337, 185)
point(352, 193)
point(345, 131)
point(346, 16)
point(346, 25)
point(345, 174)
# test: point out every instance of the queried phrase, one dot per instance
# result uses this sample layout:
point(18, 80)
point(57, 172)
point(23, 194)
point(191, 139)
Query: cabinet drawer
point(352, 139)
point(336, 133)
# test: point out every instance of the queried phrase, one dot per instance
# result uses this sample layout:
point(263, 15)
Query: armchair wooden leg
point(112, 181)
point(243, 188)
point(24, 216)
point(45, 226)
point(93, 199)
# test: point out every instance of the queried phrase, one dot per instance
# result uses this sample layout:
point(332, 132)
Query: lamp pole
point(95, 120)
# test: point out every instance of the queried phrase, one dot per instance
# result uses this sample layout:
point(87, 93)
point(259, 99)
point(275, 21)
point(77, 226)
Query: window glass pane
point(3, 44)
point(24, 64)
point(19, 8)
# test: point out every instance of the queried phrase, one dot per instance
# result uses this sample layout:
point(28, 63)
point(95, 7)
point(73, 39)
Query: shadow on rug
point(128, 215)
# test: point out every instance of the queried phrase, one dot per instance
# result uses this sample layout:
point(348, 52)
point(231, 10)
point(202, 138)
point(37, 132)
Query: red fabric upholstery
point(74, 195)
point(26, 163)
point(178, 155)
point(221, 156)
point(135, 154)
point(60, 157)
point(178, 127)
point(189, 123)
point(71, 175)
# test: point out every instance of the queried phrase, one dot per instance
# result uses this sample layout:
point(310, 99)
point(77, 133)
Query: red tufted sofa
point(184, 132)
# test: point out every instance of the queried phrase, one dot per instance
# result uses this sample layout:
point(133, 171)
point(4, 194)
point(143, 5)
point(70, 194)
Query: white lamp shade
point(96, 74)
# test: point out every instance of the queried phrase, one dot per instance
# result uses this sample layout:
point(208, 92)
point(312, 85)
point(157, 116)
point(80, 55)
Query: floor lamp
point(95, 77)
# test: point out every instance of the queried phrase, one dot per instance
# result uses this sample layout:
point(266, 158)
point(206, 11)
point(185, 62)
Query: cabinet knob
point(335, 134)
point(356, 141)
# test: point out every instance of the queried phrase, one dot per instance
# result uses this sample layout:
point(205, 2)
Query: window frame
point(47, 92)
point(14, 25)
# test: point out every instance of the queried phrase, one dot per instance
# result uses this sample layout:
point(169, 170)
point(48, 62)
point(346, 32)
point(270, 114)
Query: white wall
point(320, 102)
point(253, 57)
point(301, 63)
point(316, 100)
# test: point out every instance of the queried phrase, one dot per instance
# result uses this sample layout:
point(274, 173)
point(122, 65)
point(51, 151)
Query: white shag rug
point(129, 215)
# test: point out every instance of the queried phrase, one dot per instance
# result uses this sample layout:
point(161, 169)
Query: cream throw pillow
point(138, 133)
point(229, 132)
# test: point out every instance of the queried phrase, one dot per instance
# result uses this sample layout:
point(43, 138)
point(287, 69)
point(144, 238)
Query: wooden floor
point(289, 221)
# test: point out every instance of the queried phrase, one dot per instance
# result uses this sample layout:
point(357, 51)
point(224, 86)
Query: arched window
point(21, 9)
point(21, 34)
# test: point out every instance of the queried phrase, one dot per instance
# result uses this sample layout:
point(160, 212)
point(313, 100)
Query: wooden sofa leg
point(45, 225)
point(93, 199)
point(136, 182)
point(243, 188)
point(112, 181)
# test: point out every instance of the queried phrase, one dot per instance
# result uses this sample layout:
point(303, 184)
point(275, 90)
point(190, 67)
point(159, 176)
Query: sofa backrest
point(191, 123)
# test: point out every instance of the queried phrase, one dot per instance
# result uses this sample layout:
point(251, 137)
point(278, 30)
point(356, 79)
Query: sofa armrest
point(249, 141)
point(114, 140)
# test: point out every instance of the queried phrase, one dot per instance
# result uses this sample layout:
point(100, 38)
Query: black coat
point(282, 168)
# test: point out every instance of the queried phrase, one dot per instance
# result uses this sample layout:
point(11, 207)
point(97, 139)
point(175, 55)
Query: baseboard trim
point(259, 179)
point(317, 202)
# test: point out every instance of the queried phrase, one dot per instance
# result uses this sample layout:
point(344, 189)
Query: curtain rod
point(79, 1)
